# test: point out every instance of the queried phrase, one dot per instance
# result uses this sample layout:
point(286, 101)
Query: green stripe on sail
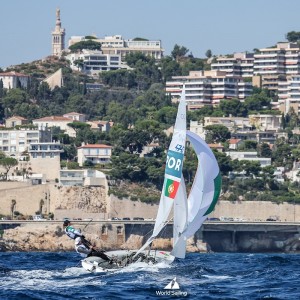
point(218, 184)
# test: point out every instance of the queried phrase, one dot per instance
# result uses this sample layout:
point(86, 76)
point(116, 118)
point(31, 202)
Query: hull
point(124, 258)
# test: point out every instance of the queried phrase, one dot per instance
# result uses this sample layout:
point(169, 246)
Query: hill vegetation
point(135, 101)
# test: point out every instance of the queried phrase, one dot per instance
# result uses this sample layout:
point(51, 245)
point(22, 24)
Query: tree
point(89, 45)
point(208, 53)
point(217, 133)
point(78, 126)
point(7, 163)
point(179, 51)
point(233, 107)
point(293, 36)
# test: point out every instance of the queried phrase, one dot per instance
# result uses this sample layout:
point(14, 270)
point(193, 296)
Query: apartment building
point(275, 63)
point(45, 158)
point(207, 88)
point(94, 153)
point(239, 64)
point(251, 156)
point(15, 142)
point(56, 121)
point(116, 45)
point(92, 62)
point(12, 80)
point(289, 94)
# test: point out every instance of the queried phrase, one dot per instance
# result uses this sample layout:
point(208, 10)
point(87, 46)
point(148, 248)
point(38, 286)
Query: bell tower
point(58, 36)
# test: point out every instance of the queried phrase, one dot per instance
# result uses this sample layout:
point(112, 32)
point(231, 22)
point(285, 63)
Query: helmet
point(66, 222)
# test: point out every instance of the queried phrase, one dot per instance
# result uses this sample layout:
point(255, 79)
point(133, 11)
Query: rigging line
point(87, 225)
point(165, 227)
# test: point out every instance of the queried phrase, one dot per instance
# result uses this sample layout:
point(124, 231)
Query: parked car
point(126, 219)
point(115, 219)
point(213, 219)
point(138, 219)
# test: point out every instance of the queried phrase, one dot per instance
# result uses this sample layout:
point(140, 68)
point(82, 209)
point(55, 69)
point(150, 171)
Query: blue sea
point(48, 275)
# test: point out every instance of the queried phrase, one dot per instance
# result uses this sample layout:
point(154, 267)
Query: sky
point(223, 26)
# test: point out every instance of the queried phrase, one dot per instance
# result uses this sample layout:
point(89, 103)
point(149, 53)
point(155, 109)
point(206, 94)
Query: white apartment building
point(289, 94)
point(10, 79)
point(15, 142)
point(207, 88)
point(264, 122)
point(75, 116)
point(116, 45)
point(92, 62)
point(95, 153)
point(45, 158)
point(240, 64)
point(56, 121)
point(251, 156)
point(87, 177)
point(273, 64)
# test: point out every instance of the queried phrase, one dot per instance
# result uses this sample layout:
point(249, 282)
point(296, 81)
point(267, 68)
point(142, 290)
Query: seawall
point(213, 236)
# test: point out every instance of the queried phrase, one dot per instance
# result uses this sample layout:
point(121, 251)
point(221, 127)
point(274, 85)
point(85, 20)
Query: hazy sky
point(224, 26)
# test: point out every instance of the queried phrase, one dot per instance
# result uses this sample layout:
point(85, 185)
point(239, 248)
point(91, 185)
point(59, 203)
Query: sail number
point(174, 163)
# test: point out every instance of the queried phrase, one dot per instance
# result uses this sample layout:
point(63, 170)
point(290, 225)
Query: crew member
point(82, 246)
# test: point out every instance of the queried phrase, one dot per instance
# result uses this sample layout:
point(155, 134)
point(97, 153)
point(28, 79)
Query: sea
point(53, 275)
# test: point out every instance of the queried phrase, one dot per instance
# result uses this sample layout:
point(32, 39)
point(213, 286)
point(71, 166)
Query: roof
point(16, 117)
point(54, 118)
point(73, 113)
point(94, 146)
point(234, 141)
point(215, 146)
point(13, 73)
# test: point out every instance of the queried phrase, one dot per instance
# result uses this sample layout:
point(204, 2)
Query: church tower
point(58, 37)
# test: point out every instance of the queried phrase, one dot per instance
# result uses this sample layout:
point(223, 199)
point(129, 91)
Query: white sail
point(180, 221)
point(206, 186)
point(173, 171)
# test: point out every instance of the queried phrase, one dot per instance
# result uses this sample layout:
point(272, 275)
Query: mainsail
point(173, 173)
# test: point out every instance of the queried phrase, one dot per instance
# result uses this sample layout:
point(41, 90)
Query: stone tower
point(58, 37)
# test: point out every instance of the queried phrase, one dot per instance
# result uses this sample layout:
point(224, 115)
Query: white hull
point(122, 258)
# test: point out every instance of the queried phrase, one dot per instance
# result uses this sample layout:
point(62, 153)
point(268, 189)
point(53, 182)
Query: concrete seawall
point(213, 236)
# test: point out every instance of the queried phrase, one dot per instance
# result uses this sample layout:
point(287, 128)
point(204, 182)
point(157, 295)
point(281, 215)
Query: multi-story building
point(289, 94)
point(56, 121)
point(87, 177)
point(251, 156)
point(240, 64)
point(92, 61)
point(116, 45)
point(75, 116)
point(94, 153)
point(273, 64)
point(45, 158)
point(265, 122)
point(207, 88)
point(12, 80)
point(16, 142)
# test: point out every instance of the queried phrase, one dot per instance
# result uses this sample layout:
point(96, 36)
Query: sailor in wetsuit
point(82, 246)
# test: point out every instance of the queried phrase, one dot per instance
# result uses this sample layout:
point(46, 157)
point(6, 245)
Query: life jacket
point(72, 232)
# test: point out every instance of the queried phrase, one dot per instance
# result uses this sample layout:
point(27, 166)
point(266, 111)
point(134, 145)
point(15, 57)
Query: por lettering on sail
point(174, 164)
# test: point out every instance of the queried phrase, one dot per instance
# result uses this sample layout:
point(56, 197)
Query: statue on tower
point(58, 13)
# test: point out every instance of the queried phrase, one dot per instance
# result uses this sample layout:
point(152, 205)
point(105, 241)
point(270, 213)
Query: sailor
point(70, 231)
point(82, 246)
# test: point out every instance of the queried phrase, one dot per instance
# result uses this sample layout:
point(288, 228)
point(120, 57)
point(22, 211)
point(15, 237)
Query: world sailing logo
point(172, 289)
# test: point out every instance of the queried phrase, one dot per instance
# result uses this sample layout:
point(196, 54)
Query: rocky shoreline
point(52, 238)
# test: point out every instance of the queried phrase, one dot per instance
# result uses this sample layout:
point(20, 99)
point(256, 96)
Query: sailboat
point(189, 213)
